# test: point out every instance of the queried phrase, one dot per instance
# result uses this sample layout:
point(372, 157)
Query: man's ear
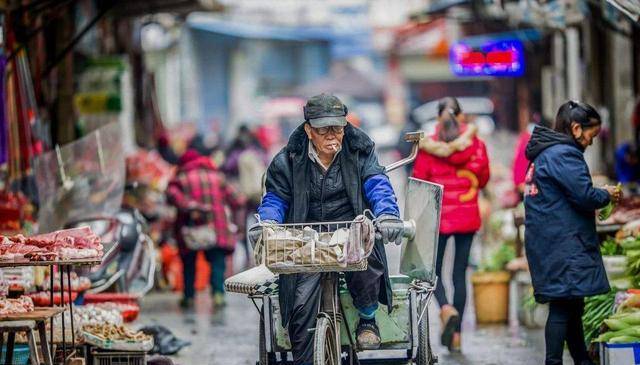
point(307, 129)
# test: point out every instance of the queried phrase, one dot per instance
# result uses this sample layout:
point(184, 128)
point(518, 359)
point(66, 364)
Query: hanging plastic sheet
point(81, 179)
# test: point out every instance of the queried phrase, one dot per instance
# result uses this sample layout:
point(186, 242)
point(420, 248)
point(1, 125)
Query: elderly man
point(329, 172)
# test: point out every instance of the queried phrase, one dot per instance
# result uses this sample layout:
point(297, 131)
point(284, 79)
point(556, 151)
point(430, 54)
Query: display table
point(28, 322)
point(63, 266)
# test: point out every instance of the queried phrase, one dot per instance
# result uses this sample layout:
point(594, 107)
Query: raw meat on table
point(68, 244)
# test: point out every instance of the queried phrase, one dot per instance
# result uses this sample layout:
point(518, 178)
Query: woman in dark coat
point(560, 239)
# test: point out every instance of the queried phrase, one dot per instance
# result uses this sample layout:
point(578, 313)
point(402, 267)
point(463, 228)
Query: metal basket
point(318, 247)
point(118, 358)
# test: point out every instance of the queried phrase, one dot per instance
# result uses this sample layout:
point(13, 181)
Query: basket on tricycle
point(332, 248)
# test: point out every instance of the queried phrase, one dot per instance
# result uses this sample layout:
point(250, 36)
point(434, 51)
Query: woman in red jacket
point(455, 158)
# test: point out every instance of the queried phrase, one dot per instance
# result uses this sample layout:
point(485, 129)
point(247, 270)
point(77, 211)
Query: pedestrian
point(560, 238)
point(329, 172)
point(457, 159)
point(245, 165)
point(200, 192)
point(520, 162)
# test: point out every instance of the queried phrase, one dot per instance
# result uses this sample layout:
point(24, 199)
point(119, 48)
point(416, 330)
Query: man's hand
point(255, 232)
point(391, 228)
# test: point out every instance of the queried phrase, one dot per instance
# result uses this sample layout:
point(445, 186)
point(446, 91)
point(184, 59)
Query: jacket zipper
point(324, 177)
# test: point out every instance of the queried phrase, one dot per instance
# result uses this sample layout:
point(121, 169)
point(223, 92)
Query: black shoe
point(368, 334)
point(186, 303)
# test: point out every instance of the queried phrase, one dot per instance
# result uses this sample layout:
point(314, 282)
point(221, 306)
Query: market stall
point(612, 320)
point(45, 300)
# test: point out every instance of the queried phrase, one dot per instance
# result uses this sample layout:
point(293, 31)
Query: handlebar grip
point(409, 229)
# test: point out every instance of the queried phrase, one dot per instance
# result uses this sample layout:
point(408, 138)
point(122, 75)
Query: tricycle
point(405, 328)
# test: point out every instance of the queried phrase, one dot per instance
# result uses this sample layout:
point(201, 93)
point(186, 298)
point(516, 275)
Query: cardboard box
point(620, 354)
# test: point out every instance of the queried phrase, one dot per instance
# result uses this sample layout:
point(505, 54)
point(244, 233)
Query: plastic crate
point(118, 358)
point(20, 354)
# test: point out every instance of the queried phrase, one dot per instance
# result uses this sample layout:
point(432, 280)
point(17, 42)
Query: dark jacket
point(560, 203)
point(288, 188)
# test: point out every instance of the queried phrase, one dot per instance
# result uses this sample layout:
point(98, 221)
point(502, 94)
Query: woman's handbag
point(201, 237)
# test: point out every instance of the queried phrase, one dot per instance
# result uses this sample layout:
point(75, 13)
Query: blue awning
point(257, 31)
point(344, 42)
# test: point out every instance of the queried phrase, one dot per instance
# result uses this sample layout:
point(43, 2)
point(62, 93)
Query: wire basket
point(318, 247)
point(118, 358)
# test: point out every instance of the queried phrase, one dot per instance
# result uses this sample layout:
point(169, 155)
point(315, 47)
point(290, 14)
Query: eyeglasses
point(335, 129)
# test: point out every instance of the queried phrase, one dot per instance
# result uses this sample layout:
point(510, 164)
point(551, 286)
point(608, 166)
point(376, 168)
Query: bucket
point(491, 296)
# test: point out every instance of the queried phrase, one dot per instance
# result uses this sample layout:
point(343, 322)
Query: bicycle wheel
point(324, 347)
point(425, 354)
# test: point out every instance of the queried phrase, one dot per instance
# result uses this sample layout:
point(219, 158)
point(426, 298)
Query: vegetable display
point(596, 310)
point(624, 325)
point(610, 247)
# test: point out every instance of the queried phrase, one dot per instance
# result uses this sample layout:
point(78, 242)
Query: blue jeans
point(216, 259)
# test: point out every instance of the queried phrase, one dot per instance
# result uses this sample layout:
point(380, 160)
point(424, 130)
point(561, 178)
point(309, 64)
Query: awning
point(630, 8)
point(144, 7)
point(438, 6)
point(344, 43)
point(427, 39)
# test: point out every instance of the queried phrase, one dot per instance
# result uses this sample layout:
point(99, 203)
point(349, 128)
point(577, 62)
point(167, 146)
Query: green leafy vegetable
point(596, 310)
point(498, 259)
point(605, 212)
point(610, 247)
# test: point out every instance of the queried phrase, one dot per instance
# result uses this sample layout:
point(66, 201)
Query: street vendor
point(329, 172)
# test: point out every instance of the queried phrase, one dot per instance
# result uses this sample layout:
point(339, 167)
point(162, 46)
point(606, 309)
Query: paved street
point(229, 337)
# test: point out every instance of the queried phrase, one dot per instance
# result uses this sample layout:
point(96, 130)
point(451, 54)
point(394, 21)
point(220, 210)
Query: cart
point(404, 328)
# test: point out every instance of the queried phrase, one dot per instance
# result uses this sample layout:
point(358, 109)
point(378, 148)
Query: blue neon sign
point(503, 57)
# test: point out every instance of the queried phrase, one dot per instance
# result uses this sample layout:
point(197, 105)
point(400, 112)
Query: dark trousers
point(364, 287)
point(462, 243)
point(564, 324)
point(216, 259)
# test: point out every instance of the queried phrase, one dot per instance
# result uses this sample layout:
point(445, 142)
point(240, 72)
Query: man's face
point(327, 140)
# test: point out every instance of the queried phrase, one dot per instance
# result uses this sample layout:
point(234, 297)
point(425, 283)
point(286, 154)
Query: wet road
point(229, 336)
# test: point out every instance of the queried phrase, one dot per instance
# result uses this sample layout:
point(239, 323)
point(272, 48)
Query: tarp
point(82, 179)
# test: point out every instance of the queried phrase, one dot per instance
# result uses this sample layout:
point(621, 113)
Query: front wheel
point(325, 351)
point(425, 354)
